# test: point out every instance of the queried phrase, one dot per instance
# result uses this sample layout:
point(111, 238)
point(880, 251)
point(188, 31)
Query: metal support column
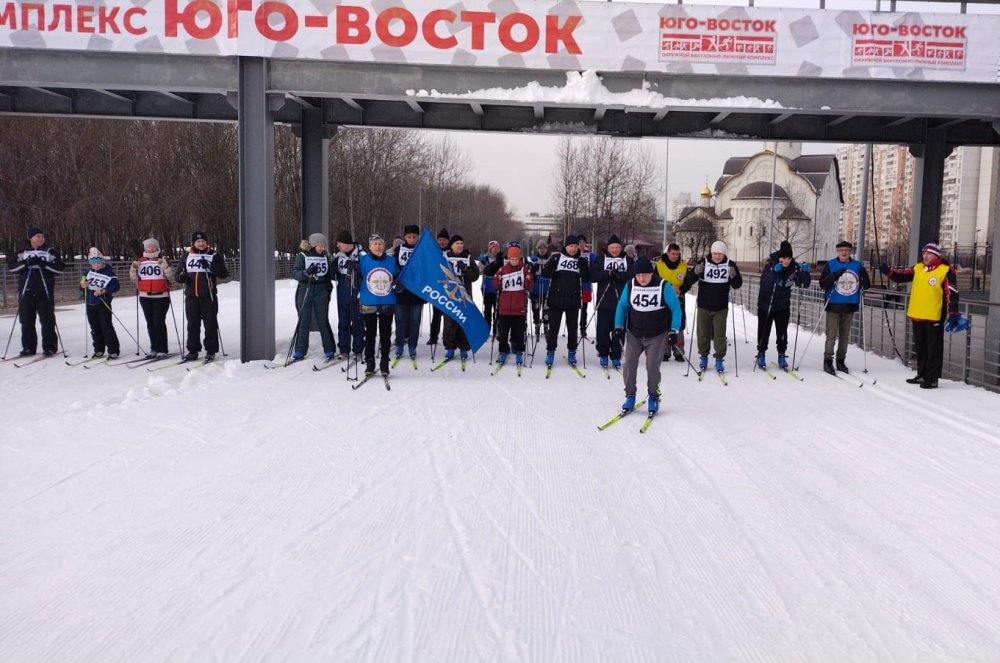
point(927, 193)
point(256, 147)
point(315, 173)
point(991, 363)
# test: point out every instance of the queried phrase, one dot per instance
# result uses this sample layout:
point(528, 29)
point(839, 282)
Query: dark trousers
point(607, 344)
point(583, 318)
point(555, 320)
point(453, 336)
point(102, 328)
point(408, 326)
point(39, 304)
point(538, 316)
point(780, 320)
point(154, 309)
point(198, 310)
point(512, 326)
point(313, 304)
point(380, 324)
point(928, 342)
point(435, 325)
point(350, 326)
point(490, 309)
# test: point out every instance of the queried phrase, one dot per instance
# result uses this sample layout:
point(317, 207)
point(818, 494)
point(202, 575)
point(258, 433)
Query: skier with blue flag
point(429, 275)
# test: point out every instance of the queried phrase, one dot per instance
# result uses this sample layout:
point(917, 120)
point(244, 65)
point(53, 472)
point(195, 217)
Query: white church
point(805, 203)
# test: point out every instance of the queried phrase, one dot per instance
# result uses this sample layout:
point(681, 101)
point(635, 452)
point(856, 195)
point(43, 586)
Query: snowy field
point(233, 513)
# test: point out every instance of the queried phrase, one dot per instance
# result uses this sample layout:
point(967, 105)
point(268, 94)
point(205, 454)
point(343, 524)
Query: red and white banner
point(561, 35)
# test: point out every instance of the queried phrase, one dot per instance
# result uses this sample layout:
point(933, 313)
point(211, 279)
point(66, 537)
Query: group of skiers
point(199, 270)
point(639, 303)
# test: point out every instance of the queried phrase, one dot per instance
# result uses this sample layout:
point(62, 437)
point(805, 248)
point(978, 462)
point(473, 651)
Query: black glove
point(620, 334)
point(884, 268)
point(34, 261)
point(672, 337)
point(312, 269)
point(837, 274)
point(205, 264)
point(398, 286)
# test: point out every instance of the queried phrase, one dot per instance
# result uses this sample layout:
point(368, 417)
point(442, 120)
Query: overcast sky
point(524, 166)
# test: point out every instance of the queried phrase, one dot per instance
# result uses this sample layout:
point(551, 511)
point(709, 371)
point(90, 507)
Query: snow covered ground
point(233, 513)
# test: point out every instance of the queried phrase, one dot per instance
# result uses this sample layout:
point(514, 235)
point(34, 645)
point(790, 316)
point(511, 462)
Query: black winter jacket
point(566, 273)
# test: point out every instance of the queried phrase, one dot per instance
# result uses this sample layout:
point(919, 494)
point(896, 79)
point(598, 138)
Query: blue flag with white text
point(428, 275)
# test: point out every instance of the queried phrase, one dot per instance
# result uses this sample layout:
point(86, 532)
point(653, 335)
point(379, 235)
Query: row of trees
point(606, 185)
point(111, 184)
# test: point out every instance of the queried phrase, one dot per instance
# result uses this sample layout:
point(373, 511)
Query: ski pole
point(120, 322)
point(861, 333)
point(736, 355)
point(137, 322)
point(298, 323)
point(20, 300)
point(743, 310)
point(694, 339)
point(86, 326)
point(798, 320)
point(815, 328)
point(177, 334)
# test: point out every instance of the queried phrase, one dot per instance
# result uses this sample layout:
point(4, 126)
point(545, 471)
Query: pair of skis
point(199, 363)
point(576, 369)
point(33, 360)
point(395, 362)
point(722, 378)
point(441, 364)
point(624, 413)
point(500, 367)
point(367, 377)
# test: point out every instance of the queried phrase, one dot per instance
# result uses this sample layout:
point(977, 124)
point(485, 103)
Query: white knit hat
point(718, 246)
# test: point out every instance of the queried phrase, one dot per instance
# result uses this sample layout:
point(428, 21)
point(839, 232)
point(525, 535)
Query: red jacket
point(513, 300)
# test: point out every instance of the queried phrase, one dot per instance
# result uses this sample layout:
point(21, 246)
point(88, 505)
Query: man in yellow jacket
point(933, 300)
point(670, 268)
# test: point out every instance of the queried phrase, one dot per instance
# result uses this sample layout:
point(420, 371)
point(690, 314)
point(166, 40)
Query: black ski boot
point(828, 366)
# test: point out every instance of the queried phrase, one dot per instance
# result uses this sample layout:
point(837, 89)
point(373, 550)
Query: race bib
point(615, 264)
point(97, 281)
point(322, 264)
point(193, 263)
point(379, 281)
point(458, 265)
point(848, 284)
point(150, 270)
point(403, 253)
point(567, 264)
point(513, 281)
point(648, 298)
point(716, 273)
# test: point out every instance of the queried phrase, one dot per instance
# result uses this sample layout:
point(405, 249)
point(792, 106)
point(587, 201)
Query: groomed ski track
point(234, 513)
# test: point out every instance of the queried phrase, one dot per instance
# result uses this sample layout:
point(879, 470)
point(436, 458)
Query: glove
point(620, 334)
point(778, 267)
point(956, 323)
point(135, 264)
point(398, 286)
point(837, 274)
point(312, 270)
point(884, 268)
point(672, 337)
point(699, 269)
point(205, 264)
point(804, 267)
point(34, 261)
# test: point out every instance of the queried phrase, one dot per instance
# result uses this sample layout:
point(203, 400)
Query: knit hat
point(34, 231)
point(411, 229)
point(513, 252)
point(318, 238)
point(571, 239)
point(785, 250)
point(198, 234)
point(344, 237)
point(581, 237)
point(455, 238)
point(844, 244)
point(95, 256)
point(444, 234)
point(542, 244)
point(932, 247)
point(151, 241)
point(375, 237)
point(493, 243)
point(614, 240)
point(718, 246)
point(643, 266)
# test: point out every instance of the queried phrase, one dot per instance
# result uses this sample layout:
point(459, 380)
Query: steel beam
point(256, 148)
point(927, 189)
point(315, 174)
